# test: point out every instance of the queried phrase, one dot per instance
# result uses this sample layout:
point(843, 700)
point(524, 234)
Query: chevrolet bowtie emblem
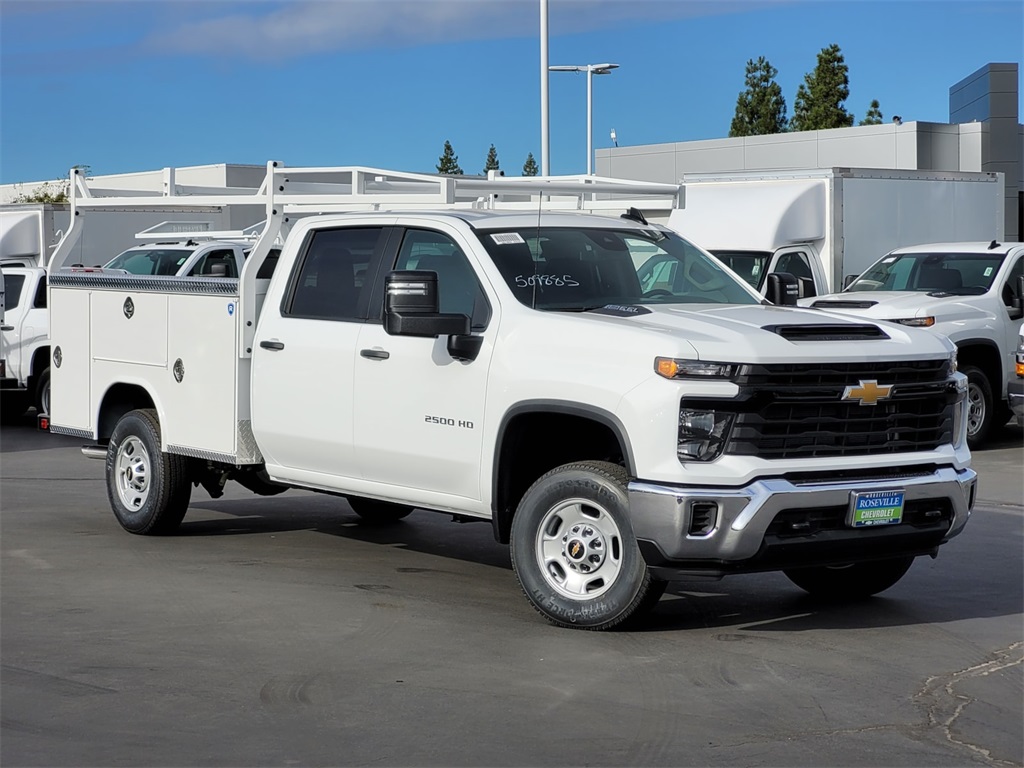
point(867, 392)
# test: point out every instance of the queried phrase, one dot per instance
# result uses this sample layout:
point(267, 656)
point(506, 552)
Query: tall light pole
point(591, 70)
point(545, 123)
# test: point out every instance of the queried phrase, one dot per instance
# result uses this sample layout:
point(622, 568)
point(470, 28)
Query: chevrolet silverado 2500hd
point(621, 407)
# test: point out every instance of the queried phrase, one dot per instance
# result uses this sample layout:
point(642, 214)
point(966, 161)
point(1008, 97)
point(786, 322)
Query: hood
point(770, 334)
point(897, 305)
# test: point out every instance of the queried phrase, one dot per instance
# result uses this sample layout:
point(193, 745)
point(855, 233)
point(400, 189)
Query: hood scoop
point(843, 304)
point(852, 332)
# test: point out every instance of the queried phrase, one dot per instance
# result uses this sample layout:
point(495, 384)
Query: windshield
point(150, 261)
point(957, 274)
point(750, 265)
point(575, 269)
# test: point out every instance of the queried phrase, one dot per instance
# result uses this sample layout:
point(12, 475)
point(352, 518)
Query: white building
point(984, 134)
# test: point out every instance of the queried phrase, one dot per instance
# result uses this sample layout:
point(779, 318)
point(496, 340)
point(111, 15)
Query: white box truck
point(825, 225)
point(619, 406)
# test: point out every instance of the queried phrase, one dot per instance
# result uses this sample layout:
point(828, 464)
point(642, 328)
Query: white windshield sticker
point(889, 260)
point(988, 271)
point(507, 238)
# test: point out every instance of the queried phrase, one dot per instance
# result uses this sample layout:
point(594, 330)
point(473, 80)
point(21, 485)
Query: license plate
point(868, 508)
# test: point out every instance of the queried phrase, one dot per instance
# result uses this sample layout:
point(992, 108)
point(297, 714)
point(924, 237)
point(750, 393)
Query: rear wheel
point(378, 512)
point(148, 490)
point(850, 582)
point(43, 392)
point(574, 552)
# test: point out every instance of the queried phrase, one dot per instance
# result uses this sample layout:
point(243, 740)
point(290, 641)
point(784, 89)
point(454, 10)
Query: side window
point(795, 263)
point(332, 277)
point(1010, 288)
point(40, 299)
point(12, 290)
point(458, 288)
point(206, 266)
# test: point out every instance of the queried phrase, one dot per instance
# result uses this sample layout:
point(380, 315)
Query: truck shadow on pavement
point(948, 589)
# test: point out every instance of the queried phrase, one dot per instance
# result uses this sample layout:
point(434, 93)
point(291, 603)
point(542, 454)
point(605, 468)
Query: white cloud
point(271, 30)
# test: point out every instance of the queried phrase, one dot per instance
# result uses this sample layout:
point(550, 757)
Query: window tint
point(12, 290)
point(40, 299)
point(333, 274)
point(795, 264)
point(458, 289)
point(207, 264)
point(156, 261)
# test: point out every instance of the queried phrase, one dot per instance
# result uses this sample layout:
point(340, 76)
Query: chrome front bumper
point(661, 514)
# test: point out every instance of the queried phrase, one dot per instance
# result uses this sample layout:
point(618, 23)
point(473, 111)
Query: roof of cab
point(487, 219)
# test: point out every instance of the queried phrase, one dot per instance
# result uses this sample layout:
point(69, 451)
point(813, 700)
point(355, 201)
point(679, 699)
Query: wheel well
point(40, 360)
point(119, 400)
point(983, 355)
point(535, 442)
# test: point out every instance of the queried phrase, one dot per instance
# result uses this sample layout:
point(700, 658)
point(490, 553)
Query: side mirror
point(848, 281)
point(411, 307)
point(783, 289)
point(806, 287)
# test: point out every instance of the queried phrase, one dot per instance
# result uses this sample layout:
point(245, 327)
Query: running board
point(94, 451)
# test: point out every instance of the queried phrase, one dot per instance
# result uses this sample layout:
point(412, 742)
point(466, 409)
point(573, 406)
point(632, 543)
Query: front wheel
point(574, 552)
point(981, 409)
point(148, 490)
point(850, 582)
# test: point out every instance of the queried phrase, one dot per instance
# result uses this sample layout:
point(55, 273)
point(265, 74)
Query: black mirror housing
point(411, 307)
point(783, 289)
point(848, 281)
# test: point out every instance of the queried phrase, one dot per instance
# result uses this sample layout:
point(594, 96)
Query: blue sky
point(134, 85)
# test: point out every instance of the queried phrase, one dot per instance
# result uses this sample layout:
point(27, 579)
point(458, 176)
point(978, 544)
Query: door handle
point(375, 354)
point(272, 344)
point(6, 327)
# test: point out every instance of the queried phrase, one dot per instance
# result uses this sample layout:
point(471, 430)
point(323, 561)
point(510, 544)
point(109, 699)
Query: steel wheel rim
point(975, 409)
point(579, 549)
point(132, 468)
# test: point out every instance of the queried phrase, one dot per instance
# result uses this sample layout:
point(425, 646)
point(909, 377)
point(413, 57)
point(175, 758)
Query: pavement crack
point(944, 705)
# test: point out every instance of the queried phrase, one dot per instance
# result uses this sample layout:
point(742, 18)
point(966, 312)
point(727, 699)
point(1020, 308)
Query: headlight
point(914, 322)
point(672, 368)
point(702, 434)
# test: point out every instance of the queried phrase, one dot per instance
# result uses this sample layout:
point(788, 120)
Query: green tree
point(761, 109)
point(448, 163)
point(52, 192)
point(492, 161)
point(819, 99)
point(874, 115)
point(530, 166)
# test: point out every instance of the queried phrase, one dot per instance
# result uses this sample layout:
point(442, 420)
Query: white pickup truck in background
point(968, 292)
point(619, 406)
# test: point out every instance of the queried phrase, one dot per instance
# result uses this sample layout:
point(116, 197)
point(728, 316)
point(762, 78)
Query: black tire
point(378, 512)
point(578, 563)
point(850, 582)
point(981, 408)
point(148, 490)
point(42, 393)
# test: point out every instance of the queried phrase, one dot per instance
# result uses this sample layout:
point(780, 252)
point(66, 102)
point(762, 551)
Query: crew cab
point(187, 258)
point(968, 292)
point(619, 405)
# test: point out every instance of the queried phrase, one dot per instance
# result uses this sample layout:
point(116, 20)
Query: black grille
point(791, 411)
point(917, 513)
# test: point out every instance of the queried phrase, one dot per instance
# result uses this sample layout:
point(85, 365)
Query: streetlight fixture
point(591, 70)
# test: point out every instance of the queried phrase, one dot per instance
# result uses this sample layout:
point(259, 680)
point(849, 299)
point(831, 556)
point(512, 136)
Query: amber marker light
point(666, 367)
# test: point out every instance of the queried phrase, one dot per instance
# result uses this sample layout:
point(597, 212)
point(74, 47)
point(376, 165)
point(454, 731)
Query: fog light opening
point(703, 518)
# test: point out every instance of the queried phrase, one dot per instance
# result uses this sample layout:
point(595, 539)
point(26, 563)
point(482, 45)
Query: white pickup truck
point(621, 407)
point(969, 292)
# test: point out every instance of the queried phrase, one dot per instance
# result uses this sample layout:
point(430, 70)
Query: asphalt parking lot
point(280, 631)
